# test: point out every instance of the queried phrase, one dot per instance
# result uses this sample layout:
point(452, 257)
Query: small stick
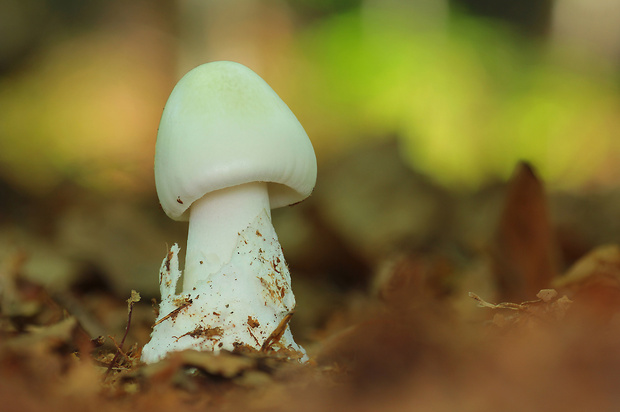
point(277, 332)
point(174, 312)
point(119, 349)
point(135, 297)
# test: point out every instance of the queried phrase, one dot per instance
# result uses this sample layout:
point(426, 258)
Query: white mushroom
point(228, 150)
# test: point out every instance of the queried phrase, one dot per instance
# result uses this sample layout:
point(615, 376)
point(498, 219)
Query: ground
point(504, 299)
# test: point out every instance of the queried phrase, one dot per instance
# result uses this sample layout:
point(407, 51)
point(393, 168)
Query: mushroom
point(228, 150)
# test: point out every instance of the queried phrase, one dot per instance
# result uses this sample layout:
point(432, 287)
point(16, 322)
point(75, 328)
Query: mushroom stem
point(214, 224)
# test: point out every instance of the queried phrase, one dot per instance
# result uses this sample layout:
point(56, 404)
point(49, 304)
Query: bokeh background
point(410, 105)
point(468, 87)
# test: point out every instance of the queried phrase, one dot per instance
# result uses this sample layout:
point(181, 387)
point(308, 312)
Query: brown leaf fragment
point(602, 262)
point(504, 305)
point(244, 349)
point(47, 336)
point(202, 332)
point(525, 250)
point(16, 294)
point(223, 364)
point(593, 282)
point(547, 308)
point(547, 295)
point(277, 333)
point(182, 301)
point(253, 322)
point(254, 378)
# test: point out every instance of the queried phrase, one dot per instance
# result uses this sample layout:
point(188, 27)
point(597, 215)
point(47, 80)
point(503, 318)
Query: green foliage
point(468, 101)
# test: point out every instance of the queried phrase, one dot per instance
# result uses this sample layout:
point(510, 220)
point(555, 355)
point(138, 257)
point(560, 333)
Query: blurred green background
point(467, 87)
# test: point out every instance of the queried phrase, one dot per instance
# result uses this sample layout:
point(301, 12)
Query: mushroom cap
point(224, 126)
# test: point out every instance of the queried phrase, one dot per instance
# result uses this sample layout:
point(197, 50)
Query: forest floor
point(496, 325)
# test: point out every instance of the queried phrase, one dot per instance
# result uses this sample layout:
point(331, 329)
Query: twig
point(173, 313)
point(275, 336)
point(504, 305)
point(135, 297)
point(119, 349)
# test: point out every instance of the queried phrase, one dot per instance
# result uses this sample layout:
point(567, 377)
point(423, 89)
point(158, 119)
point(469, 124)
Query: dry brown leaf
point(47, 336)
point(224, 364)
point(594, 283)
point(524, 253)
point(547, 308)
point(602, 262)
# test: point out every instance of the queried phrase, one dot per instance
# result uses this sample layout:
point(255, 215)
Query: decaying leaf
point(548, 307)
point(601, 263)
point(594, 283)
point(12, 302)
point(524, 254)
point(225, 364)
point(48, 336)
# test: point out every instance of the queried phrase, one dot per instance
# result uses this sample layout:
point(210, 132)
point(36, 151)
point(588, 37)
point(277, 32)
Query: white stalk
point(240, 296)
point(214, 225)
